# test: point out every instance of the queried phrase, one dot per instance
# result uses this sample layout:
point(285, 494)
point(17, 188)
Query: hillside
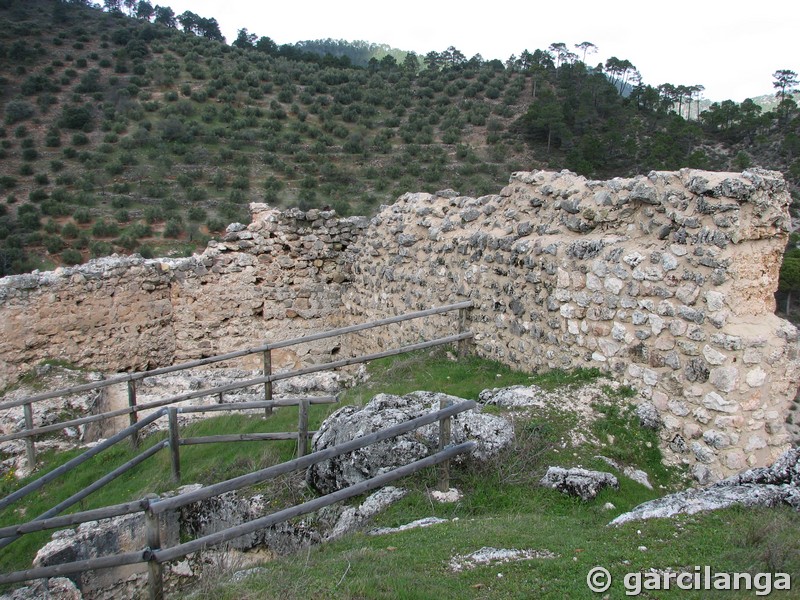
point(120, 135)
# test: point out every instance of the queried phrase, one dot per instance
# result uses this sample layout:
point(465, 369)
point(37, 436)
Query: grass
point(203, 463)
point(502, 506)
point(415, 564)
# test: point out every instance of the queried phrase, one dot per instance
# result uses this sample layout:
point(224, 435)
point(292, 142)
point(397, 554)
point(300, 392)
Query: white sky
point(731, 47)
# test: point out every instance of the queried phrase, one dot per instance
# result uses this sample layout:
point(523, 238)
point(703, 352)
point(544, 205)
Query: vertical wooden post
point(133, 416)
point(30, 444)
point(268, 384)
point(444, 441)
point(174, 444)
point(302, 428)
point(462, 345)
point(155, 576)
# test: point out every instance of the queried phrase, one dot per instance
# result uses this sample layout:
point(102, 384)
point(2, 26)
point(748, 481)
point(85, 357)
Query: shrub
point(103, 229)
point(100, 249)
point(76, 117)
point(196, 214)
point(153, 214)
point(82, 216)
point(54, 244)
point(18, 110)
point(71, 257)
point(216, 224)
point(70, 230)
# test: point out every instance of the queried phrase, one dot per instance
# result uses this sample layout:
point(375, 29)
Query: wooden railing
point(30, 432)
point(155, 556)
point(163, 407)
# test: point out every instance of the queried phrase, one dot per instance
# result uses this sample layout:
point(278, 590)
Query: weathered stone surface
point(763, 486)
point(127, 534)
point(342, 520)
point(58, 588)
point(583, 483)
point(491, 432)
point(664, 282)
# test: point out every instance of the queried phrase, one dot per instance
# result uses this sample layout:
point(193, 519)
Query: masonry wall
point(277, 278)
point(665, 281)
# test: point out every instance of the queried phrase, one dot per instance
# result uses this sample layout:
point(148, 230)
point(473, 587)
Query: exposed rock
point(448, 497)
point(347, 519)
point(648, 416)
point(491, 432)
point(127, 534)
point(579, 482)
point(491, 556)
point(632, 473)
point(576, 400)
point(762, 486)
point(426, 522)
point(56, 588)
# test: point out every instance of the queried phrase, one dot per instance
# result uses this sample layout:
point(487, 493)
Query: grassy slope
point(503, 506)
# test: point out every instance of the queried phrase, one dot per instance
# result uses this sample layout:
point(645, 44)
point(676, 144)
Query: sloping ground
point(507, 537)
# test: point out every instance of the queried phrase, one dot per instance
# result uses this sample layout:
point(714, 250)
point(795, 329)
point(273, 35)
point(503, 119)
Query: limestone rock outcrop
point(763, 486)
point(583, 483)
point(493, 433)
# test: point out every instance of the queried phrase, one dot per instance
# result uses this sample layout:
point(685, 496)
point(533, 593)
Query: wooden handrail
point(238, 385)
point(154, 508)
point(237, 354)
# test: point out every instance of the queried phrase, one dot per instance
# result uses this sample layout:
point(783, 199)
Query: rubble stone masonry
point(665, 281)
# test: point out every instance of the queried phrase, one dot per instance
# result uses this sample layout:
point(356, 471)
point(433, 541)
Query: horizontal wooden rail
point(243, 384)
point(78, 460)
point(237, 354)
point(168, 554)
point(104, 562)
point(90, 489)
point(95, 514)
point(232, 533)
point(260, 404)
point(176, 502)
point(241, 437)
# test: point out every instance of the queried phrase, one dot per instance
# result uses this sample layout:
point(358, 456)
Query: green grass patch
point(437, 371)
point(416, 564)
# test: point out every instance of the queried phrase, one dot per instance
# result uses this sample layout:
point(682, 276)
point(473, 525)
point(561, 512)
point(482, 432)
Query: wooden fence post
point(174, 443)
point(268, 384)
point(155, 575)
point(30, 444)
point(302, 428)
point(444, 441)
point(462, 346)
point(133, 417)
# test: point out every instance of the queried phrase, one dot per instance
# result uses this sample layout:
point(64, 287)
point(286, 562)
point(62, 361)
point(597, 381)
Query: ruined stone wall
point(277, 278)
point(665, 281)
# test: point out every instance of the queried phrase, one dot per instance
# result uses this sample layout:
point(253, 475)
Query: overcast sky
point(731, 47)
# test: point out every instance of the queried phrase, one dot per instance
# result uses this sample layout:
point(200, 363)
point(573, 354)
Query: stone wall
point(277, 278)
point(665, 281)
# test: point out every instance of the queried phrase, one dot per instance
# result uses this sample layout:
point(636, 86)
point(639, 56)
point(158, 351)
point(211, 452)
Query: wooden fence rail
point(154, 555)
point(30, 432)
point(237, 354)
